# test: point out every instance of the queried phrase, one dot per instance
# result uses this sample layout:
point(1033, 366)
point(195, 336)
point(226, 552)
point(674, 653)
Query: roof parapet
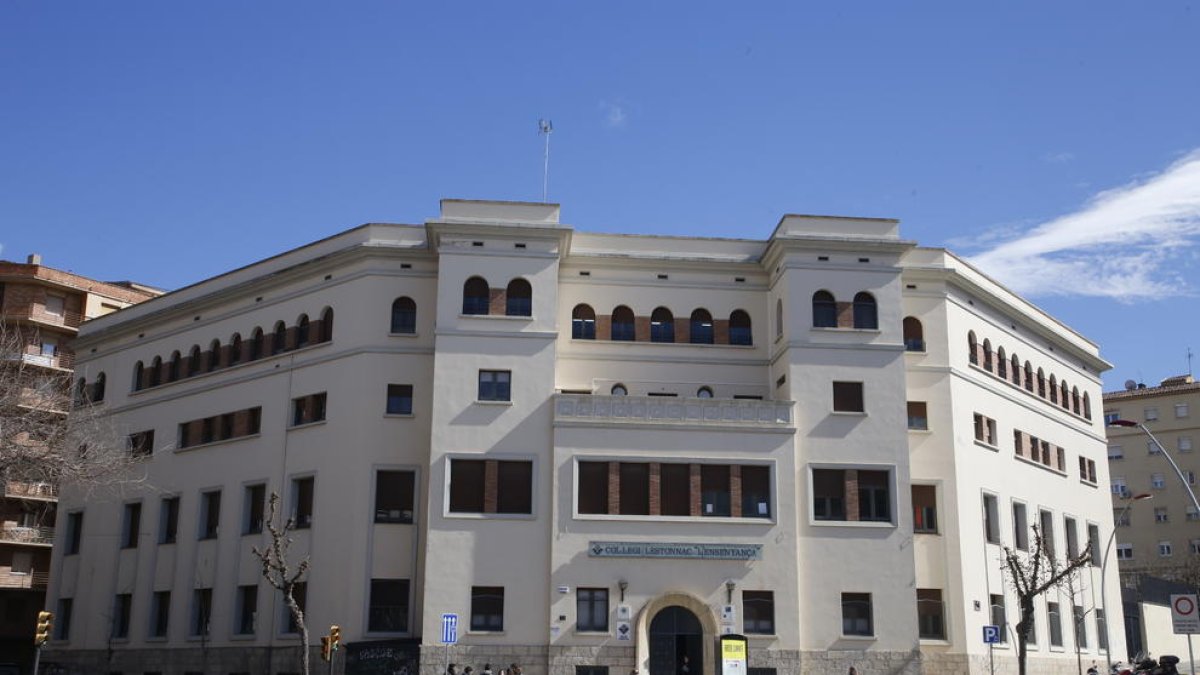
point(796, 226)
point(464, 211)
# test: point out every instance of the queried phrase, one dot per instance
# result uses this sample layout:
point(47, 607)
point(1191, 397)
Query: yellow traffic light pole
point(41, 635)
point(329, 645)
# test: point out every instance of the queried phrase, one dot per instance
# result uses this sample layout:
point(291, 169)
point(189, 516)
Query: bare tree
point(1033, 574)
point(54, 431)
point(282, 574)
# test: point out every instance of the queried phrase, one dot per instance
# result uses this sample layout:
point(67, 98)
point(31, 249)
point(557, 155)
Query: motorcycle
point(1166, 665)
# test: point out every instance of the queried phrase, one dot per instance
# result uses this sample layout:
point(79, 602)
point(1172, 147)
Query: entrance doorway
point(676, 643)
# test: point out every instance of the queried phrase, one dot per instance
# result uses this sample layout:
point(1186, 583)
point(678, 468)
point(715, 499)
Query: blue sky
point(1055, 143)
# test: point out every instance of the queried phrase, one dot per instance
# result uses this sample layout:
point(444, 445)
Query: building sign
point(650, 549)
point(733, 655)
point(1185, 617)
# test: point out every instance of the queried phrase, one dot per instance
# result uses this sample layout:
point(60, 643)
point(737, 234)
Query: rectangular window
point(141, 444)
point(714, 490)
point(1151, 414)
point(675, 489)
point(1071, 532)
point(874, 496)
point(758, 612)
point(1094, 543)
point(924, 500)
point(1101, 630)
point(168, 519)
point(848, 397)
point(1181, 410)
point(1047, 527)
point(514, 487)
point(1081, 637)
point(210, 514)
point(302, 502)
point(829, 490)
point(931, 614)
point(122, 606)
point(1115, 452)
point(236, 424)
point(1185, 443)
point(495, 385)
point(856, 614)
point(985, 429)
point(399, 399)
point(201, 611)
point(1158, 481)
point(74, 532)
point(1152, 448)
point(256, 498)
point(389, 606)
point(247, 609)
point(487, 608)
point(593, 487)
point(466, 485)
point(62, 619)
point(54, 304)
point(1055, 620)
point(1165, 550)
point(591, 610)
point(991, 519)
point(1124, 551)
point(999, 616)
point(1160, 515)
point(1119, 487)
point(160, 614)
point(918, 418)
point(635, 489)
point(394, 492)
point(308, 409)
point(756, 491)
point(131, 525)
point(1020, 527)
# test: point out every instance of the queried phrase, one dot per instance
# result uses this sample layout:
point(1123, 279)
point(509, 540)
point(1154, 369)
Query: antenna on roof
point(1189, 358)
point(546, 127)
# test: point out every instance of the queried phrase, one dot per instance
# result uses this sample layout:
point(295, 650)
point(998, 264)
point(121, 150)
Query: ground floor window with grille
point(999, 616)
point(856, 614)
point(389, 606)
point(931, 614)
point(758, 611)
point(591, 610)
point(1055, 616)
point(487, 608)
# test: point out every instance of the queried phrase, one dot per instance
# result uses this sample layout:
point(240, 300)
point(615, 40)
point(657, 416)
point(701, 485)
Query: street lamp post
point(1104, 565)
point(1163, 450)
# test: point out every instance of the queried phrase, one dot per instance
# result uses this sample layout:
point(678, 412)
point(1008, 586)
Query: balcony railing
point(61, 359)
point(25, 580)
point(667, 410)
point(66, 319)
point(24, 490)
point(37, 536)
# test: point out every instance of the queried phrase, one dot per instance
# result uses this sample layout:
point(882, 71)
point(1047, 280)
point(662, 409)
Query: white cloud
point(1123, 243)
point(614, 114)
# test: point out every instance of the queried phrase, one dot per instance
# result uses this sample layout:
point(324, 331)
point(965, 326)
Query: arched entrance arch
point(704, 616)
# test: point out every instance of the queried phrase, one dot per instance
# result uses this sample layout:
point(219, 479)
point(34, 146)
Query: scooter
point(1166, 666)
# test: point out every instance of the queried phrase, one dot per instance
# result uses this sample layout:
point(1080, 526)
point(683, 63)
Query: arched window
point(1074, 400)
point(824, 309)
point(987, 355)
point(779, 318)
point(518, 298)
point(914, 335)
point(138, 371)
point(214, 355)
point(700, 328)
point(1016, 370)
point(279, 339)
point(81, 392)
point(235, 349)
point(1001, 364)
point(404, 316)
point(173, 367)
point(739, 328)
point(156, 371)
point(327, 325)
point(1028, 377)
point(1064, 395)
point(623, 324)
point(257, 346)
point(1041, 383)
point(475, 296)
point(866, 314)
point(662, 325)
point(1053, 390)
point(583, 323)
point(193, 366)
point(619, 390)
point(302, 328)
point(972, 348)
point(704, 392)
point(98, 388)
point(1087, 406)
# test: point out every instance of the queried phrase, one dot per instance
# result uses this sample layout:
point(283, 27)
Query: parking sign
point(991, 634)
point(449, 629)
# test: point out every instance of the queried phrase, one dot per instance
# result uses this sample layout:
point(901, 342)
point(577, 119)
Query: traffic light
point(45, 625)
point(335, 637)
point(326, 648)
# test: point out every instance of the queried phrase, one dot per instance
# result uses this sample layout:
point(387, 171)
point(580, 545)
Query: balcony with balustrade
point(11, 533)
point(42, 492)
point(748, 414)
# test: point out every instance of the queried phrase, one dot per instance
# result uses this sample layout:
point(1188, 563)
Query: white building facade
point(598, 452)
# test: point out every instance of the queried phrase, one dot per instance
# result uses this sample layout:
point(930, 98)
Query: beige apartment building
point(41, 309)
point(588, 453)
point(1159, 536)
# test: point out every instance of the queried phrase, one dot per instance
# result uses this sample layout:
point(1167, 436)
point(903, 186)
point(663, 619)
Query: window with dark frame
point(874, 496)
point(514, 486)
point(848, 397)
point(991, 519)
point(1055, 620)
point(256, 497)
point(404, 316)
point(591, 610)
point(141, 444)
point(201, 611)
point(866, 313)
point(622, 327)
point(715, 494)
point(487, 608)
point(918, 417)
point(160, 614)
point(635, 488)
point(210, 514)
point(593, 488)
point(495, 385)
point(924, 501)
point(739, 328)
point(758, 612)
point(999, 615)
point(302, 501)
point(62, 619)
point(394, 492)
point(662, 325)
point(931, 614)
point(1020, 526)
point(583, 323)
point(399, 399)
point(518, 298)
point(308, 409)
point(388, 612)
point(856, 614)
point(247, 609)
point(466, 485)
point(131, 525)
point(74, 532)
point(168, 530)
point(122, 606)
point(756, 491)
point(824, 311)
point(476, 300)
point(829, 494)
